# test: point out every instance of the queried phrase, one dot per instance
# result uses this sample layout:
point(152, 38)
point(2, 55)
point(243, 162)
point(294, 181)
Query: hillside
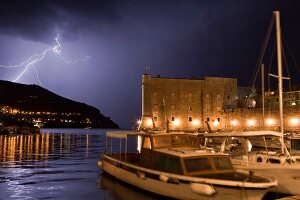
point(33, 98)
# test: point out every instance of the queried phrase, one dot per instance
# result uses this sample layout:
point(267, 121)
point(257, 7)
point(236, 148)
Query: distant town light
point(294, 121)
point(196, 122)
point(234, 122)
point(251, 122)
point(216, 123)
point(176, 122)
point(270, 122)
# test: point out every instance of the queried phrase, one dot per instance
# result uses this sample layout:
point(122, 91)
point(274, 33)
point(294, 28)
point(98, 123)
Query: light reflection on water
point(58, 164)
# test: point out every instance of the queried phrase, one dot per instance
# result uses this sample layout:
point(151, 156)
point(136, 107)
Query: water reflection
point(41, 146)
point(115, 189)
point(53, 164)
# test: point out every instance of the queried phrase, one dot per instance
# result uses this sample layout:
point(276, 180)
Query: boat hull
point(288, 176)
point(179, 190)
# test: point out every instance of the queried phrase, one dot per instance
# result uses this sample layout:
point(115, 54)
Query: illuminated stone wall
point(185, 104)
point(192, 105)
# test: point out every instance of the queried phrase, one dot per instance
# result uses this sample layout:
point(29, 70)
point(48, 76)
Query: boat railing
point(122, 144)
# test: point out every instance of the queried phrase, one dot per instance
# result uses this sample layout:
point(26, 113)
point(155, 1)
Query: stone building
point(212, 104)
point(186, 104)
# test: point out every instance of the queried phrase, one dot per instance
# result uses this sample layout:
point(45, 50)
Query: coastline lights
point(251, 122)
point(294, 121)
point(270, 122)
point(196, 122)
point(176, 122)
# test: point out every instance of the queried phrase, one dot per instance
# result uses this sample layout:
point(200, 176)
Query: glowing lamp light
point(294, 121)
point(196, 122)
point(176, 122)
point(234, 122)
point(149, 122)
point(215, 123)
point(270, 122)
point(251, 122)
point(139, 122)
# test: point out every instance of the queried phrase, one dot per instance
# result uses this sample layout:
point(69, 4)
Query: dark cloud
point(177, 38)
point(36, 20)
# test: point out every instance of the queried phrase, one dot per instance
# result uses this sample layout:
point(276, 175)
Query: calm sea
point(58, 164)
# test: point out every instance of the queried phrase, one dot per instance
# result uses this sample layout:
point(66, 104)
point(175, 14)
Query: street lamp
point(196, 122)
point(251, 122)
point(234, 122)
point(176, 122)
point(270, 122)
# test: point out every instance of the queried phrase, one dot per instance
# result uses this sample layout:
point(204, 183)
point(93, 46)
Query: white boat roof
point(187, 152)
point(122, 134)
point(244, 134)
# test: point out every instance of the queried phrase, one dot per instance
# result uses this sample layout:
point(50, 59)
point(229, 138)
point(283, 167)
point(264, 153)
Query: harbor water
point(59, 164)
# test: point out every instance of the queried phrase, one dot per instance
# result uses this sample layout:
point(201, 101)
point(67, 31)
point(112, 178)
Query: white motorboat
point(174, 165)
point(283, 167)
point(280, 165)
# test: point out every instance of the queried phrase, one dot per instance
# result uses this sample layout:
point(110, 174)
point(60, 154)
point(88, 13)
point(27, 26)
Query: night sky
point(175, 38)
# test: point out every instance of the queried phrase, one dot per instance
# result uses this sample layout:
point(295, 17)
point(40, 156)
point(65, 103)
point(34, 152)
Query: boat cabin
point(176, 153)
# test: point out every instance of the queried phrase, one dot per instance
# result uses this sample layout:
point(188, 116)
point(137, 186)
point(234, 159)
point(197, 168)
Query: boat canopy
point(122, 134)
point(244, 134)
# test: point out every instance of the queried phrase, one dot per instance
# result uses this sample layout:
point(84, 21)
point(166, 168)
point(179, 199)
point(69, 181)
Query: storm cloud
point(176, 38)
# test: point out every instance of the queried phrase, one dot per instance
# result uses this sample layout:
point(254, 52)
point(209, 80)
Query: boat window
point(168, 164)
point(147, 143)
point(179, 140)
point(222, 163)
point(295, 144)
point(272, 160)
point(197, 164)
point(162, 141)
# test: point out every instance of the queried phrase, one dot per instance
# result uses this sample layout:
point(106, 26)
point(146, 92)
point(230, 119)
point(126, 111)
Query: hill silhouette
point(34, 98)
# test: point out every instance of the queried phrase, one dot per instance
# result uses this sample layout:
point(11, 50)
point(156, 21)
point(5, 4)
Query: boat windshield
point(222, 163)
point(198, 164)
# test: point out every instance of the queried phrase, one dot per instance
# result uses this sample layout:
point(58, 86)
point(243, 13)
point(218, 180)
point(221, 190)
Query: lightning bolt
point(38, 57)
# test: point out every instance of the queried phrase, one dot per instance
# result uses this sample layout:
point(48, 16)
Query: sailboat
point(281, 166)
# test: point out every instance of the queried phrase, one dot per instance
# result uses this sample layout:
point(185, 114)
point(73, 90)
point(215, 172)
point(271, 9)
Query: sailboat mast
point(279, 61)
point(263, 92)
